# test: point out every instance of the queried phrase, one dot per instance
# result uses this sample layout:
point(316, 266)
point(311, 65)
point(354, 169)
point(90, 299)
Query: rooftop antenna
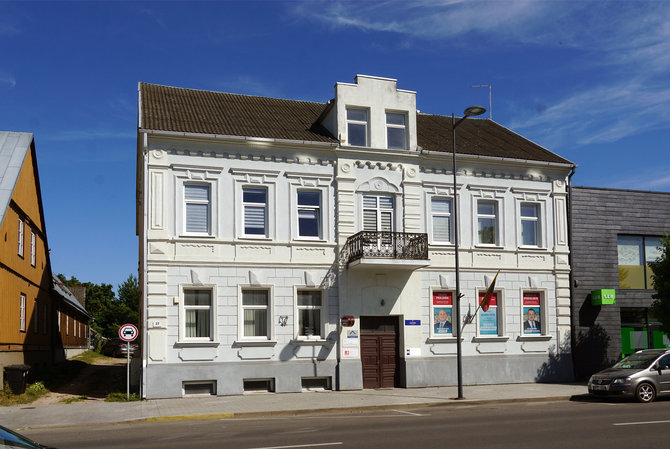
point(490, 105)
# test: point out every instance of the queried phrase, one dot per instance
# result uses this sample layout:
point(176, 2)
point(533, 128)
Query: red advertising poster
point(531, 299)
point(442, 298)
point(494, 299)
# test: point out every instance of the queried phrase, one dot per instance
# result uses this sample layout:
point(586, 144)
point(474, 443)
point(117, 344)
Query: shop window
point(635, 254)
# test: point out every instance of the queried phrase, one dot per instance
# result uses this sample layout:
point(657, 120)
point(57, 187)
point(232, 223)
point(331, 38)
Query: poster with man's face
point(532, 303)
point(442, 320)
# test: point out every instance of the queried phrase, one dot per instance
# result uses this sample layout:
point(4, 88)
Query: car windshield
point(9, 439)
point(636, 361)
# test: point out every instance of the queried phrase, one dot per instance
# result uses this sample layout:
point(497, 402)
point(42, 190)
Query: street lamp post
point(469, 112)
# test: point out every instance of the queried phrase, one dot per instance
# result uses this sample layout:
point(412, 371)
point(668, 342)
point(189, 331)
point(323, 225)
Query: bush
point(36, 389)
point(121, 397)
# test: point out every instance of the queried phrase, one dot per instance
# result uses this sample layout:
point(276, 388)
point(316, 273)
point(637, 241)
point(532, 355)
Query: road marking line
point(642, 422)
point(408, 413)
point(301, 445)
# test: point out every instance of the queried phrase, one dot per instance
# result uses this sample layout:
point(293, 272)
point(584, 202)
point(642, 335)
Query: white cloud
point(657, 179)
point(7, 80)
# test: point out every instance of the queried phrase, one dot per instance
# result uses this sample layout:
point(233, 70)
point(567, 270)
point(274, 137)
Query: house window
point(530, 224)
point(36, 326)
point(255, 211)
point(396, 130)
point(198, 314)
point(32, 248)
point(489, 321)
point(636, 253)
point(487, 222)
point(255, 312)
point(441, 309)
point(441, 212)
point(67, 324)
point(309, 213)
point(357, 127)
point(310, 313)
point(532, 309)
point(20, 250)
point(377, 213)
point(197, 203)
point(45, 320)
point(22, 313)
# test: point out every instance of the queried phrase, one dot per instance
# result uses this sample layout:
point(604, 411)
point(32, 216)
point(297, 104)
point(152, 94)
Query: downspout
point(571, 276)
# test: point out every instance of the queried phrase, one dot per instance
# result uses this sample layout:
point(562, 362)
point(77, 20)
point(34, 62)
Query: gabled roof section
point(481, 137)
point(67, 296)
point(13, 150)
point(205, 112)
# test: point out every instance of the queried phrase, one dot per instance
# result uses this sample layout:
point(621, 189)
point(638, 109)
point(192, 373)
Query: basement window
point(316, 383)
point(199, 388)
point(259, 385)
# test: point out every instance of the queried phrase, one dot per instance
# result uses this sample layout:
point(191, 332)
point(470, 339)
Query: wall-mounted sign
point(603, 296)
point(350, 352)
point(412, 322)
point(352, 333)
point(413, 352)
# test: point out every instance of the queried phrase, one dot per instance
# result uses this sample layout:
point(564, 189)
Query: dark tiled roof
point(196, 111)
point(482, 137)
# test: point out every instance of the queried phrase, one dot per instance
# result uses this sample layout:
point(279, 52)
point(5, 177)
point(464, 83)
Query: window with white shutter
point(441, 213)
point(198, 206)
point(254, 201)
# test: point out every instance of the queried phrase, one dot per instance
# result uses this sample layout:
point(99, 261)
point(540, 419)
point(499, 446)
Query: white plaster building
point(263, 222)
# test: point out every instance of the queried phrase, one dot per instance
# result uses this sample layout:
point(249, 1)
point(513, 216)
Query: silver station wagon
point(643, 375)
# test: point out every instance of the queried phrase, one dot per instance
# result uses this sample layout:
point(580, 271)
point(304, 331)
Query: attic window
point(396, 131)
point(357, 127)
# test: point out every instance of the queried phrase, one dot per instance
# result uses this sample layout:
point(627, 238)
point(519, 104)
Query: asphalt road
point(521, 425)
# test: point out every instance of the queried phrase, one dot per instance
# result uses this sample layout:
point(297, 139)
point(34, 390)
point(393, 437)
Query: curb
point(315, 411)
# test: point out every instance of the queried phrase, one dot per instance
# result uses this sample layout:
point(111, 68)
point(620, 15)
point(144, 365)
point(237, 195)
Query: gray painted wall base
point(497, 369)
point(350, 375)
point(165, 380)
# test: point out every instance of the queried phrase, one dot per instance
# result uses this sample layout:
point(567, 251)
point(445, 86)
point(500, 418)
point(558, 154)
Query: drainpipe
point(571, 276)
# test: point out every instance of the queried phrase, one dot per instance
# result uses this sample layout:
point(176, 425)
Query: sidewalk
point(270, 404)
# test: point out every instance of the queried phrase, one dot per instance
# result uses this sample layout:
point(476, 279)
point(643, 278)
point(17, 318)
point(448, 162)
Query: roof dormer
point(373, 113)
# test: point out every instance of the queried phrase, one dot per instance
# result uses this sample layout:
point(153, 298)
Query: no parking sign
point(128, 332)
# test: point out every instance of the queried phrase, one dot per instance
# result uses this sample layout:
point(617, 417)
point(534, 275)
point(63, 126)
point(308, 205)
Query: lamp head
point(473, 111)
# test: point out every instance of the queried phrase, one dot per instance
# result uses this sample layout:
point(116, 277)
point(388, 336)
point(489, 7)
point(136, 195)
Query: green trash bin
point(15, 376)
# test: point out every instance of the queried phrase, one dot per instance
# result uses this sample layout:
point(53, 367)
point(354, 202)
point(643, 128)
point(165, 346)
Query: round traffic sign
point(128, 332)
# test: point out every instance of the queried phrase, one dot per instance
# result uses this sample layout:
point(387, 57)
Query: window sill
point(192, 344)
point(534, 337)
point(488, 246)
point(197, 236)
point(443, 340)
point(312, 342)
point(300, 239)
point(258, 238)
point(485, 339)
point(241, 343)
point(532, 248)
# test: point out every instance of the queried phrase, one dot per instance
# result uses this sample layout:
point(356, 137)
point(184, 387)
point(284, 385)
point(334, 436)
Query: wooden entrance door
point(379, 351)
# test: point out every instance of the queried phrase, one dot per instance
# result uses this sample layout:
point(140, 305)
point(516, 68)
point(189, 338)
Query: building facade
point(615, 235)
point(29, 302)
point(288, 245)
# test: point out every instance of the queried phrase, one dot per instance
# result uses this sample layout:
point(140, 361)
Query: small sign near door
point(413, 352)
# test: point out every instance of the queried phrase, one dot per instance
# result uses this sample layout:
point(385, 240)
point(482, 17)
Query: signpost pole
point(128, 373)
point(128, 333)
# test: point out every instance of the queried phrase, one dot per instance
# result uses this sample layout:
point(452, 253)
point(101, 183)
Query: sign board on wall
point(603, 296)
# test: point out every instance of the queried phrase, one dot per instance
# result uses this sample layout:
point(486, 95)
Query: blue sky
point(589, 80)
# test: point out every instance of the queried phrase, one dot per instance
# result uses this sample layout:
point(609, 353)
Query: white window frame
point(253, 178)
point(378, 210)
point(496, 218)
point(213, 337)
point(265, 206)
point(319, 214)
point(501, 316)
point(539, 231)
point(22, 313)
point(365, 123)
point(395, 126)
point(316, 183)
point(67, 324)
point(33, 249)
point(184, 175)
point(319, 334)
point(543, 316)
point(270, 313)
point(208, 202)
point(450, 217)
point(21, 236)
point(454, 332)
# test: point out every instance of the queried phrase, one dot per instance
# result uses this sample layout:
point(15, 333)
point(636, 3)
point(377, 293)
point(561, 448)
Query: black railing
point(386, 245)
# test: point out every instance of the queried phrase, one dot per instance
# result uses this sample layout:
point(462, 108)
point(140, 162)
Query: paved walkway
point(269, 404)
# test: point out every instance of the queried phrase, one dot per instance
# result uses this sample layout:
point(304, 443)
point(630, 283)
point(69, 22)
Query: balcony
point(387, 249)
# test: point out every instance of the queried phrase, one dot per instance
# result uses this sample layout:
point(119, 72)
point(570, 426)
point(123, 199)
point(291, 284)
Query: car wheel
point(645, 392)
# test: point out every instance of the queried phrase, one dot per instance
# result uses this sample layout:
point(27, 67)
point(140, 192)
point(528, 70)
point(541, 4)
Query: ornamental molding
point(302, 160)
point(378, 184)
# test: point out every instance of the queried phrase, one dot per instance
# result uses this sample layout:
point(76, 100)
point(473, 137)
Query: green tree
point(660, 308)
point(109, 312)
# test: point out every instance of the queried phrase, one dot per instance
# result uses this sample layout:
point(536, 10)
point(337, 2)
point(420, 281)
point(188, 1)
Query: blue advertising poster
point(488, 321)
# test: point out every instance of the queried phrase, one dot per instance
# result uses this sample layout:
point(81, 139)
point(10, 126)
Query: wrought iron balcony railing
point(386, 245)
